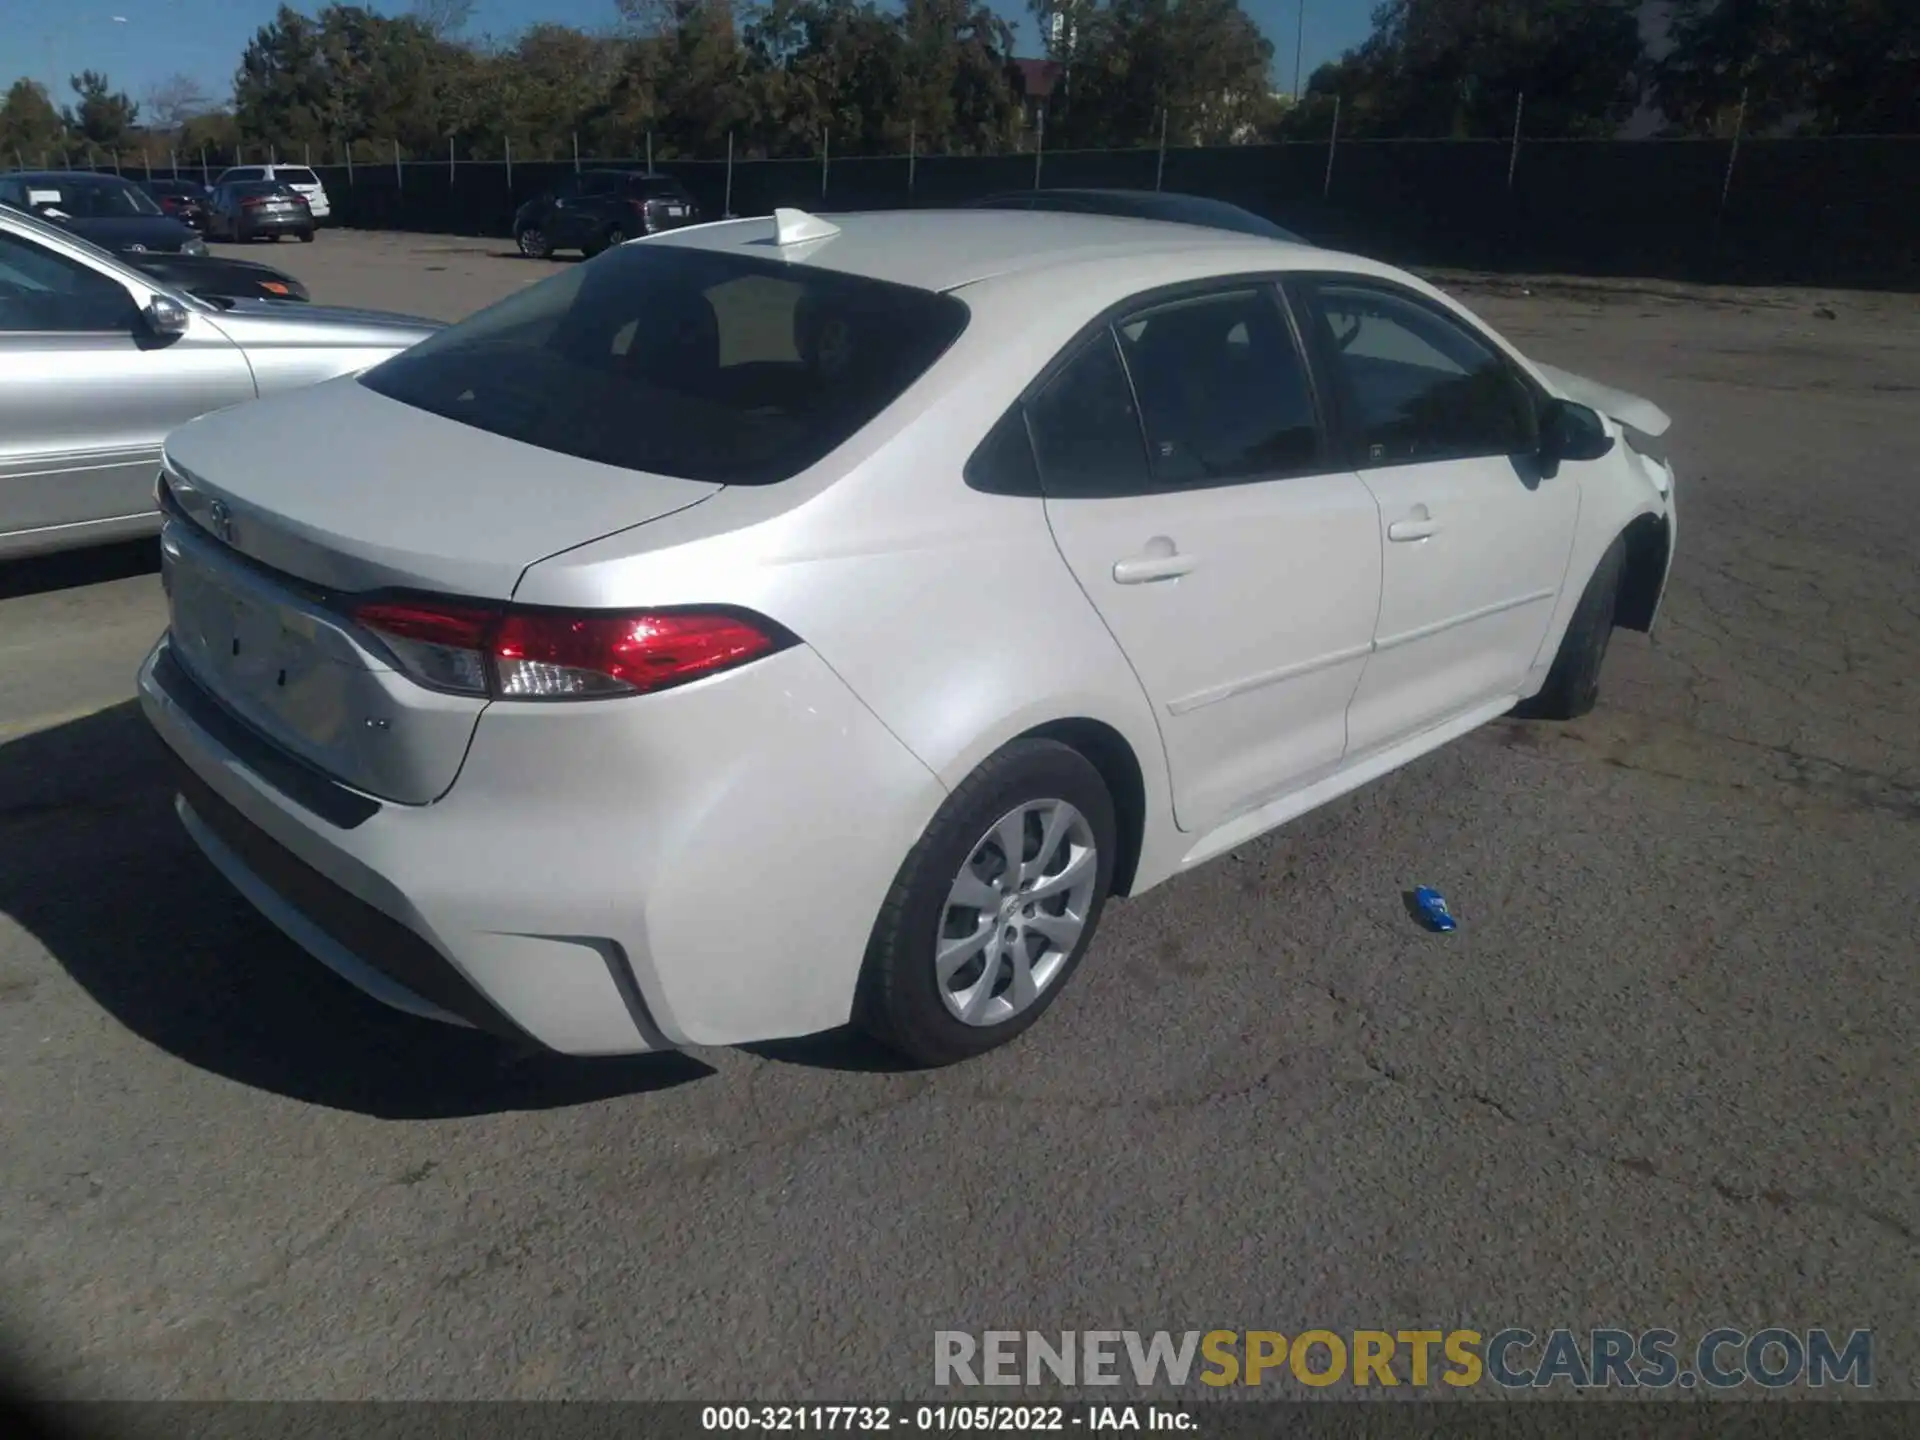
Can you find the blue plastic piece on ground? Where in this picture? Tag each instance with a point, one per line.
(1433, 908)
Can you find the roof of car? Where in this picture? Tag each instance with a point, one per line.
(33, 177)
(945, 249)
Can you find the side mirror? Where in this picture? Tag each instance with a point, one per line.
(165, 317)
(1572, 432)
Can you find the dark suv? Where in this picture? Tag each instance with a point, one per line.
(599, 208)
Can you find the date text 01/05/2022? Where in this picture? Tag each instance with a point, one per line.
(939, 1418)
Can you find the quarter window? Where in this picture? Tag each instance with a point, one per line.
(1420, 387)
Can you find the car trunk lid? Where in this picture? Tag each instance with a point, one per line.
(270, 544)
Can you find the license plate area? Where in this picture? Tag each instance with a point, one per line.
(289, 668)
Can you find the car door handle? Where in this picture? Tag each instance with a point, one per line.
(1404, 530)
(1142, 569)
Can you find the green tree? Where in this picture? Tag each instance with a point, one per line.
(101, 115)
(1203, 64)
(30, 126)
(1435, 68)
(348, 75)
(1836, 66)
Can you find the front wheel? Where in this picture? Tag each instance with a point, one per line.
(1573, 684)
(533, 243)
(994, 907)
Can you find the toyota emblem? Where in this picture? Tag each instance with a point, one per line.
(220, 520)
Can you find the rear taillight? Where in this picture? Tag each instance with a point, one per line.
(252, 202)
(564, 655)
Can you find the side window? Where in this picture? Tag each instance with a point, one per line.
(1223, 389)
(1086, 434)
(42, 291)
(600, 183)
(1003, 464)
(1421, 386)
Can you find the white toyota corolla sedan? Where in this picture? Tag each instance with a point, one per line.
(787, 621)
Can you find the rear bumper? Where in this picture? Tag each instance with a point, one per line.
(275, 224)
(701, 866)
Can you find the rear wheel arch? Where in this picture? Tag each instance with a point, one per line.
(1649, 541)
(1110, 753)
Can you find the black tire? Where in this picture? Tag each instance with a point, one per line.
(899, 1003)
(1573, 684)
(533, 243)
(306, 237)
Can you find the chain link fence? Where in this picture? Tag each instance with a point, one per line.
(1827, 211)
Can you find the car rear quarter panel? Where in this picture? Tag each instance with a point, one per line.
(948, 611)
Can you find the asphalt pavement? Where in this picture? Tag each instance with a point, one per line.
(1663, 1074)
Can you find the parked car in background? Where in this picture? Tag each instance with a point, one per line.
(99, 360)
(220, 277)
(804, 619)
(184, 200)
(1143, 205)
(257, 210)
(299, 178)
(114, 214)
(596, 209)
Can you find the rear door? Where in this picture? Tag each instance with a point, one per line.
(1476, 538)
(569, 219)
(86, 395)
(1191, 490)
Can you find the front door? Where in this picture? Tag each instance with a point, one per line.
(1237, 566)
(1476, 536)
(86, 395)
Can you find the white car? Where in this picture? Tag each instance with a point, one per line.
(785, 621)
(297, 178)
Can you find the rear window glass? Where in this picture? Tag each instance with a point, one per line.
(698, 364)
(660, 189)
(295, 177)
(261, 187)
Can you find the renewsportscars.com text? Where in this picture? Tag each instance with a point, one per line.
(1721, 1359)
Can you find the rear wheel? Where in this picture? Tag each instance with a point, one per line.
(1573, 684)
(306, 237)
(993, 909)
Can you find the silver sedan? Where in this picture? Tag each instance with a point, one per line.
(98, 362)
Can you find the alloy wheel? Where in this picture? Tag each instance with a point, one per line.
(1016, 911)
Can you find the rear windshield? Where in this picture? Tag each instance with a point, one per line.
(699, 364)
(261, 187)
(659, 189)
(295, 177)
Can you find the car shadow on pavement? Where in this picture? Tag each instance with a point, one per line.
(69, 569)
(845, 1049)
(95, 866)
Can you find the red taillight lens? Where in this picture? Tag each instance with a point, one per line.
(252, 202)
(563, 655)
(439, 645)
(541, 655)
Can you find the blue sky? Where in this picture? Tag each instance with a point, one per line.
(153, 39)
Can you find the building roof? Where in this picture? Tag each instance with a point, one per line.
(1038, 77)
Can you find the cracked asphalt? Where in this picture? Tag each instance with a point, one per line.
(1664, 1073)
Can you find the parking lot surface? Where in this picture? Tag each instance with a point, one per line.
(1663, 1075)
